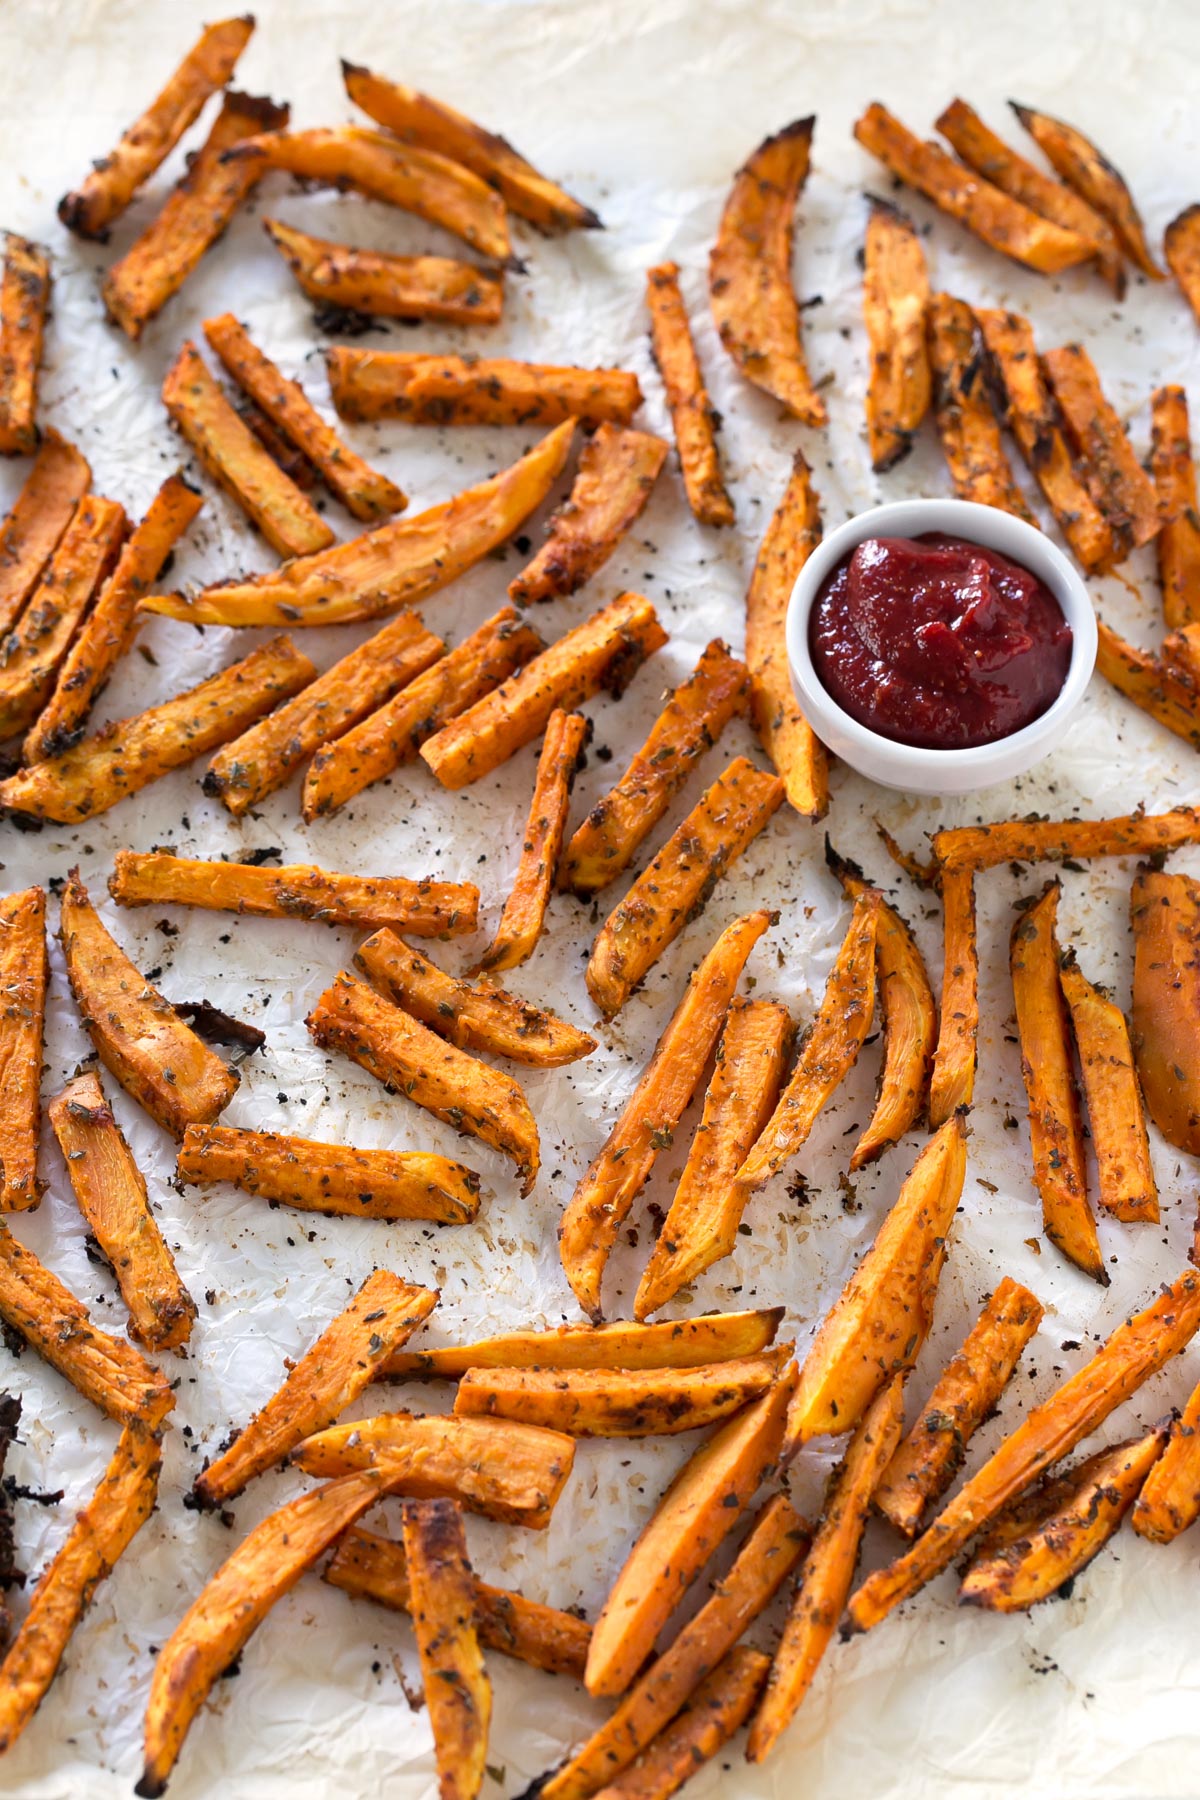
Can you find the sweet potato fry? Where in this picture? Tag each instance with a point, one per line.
(717, 1709)
(784, 732)
(473, 1017)
(750, 272)
(696, 1513)
(978, 847)
(1154, 684)
(293, 462)
(475, 390)
(952, 1081)
(1116, 1113)
(43, 509)
(126, 756)
(24, 299)
(111, 1192)
(395, 565)
(394, 732)
(1115, 478)
(701, 1225)
(967, 426)
(1180, 654)
(383, 1314)
(1165, 912)
(1178, 541)
(963, 1396)
(388, 287)
(1137, 1349)
(419, 119)
(101, 1534)
(675, 887)
(601, 1201)
(1169, 1500)
(139, 1037)
(622, 1403)
(694, 418)
(1083, 168)
(198, 211)
(606, 651)
(524, 911)
(229, 452)
(444, 1614)
(408, 1058)
(1181, 248)
(895, 297)
(23, 977)
(617, 470)
(331, 1178)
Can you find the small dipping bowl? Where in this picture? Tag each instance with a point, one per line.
(913, 768)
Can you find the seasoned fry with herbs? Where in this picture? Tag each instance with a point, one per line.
(388, 287)
(24, 299)
(1166, 690)
(694, 418)
(23, 978)
(1174, 473)
(675, 1344)
(475, 390)
(1169, 1500)
(952, 1081)
(719, 1707)
(444, 1614)
(617, 470)
(620, 1403)
(967, 426)
(895, 296)
(1165, 913)
(42, 511)
(974, 847)
(1085, 169)
(1116, 1114)
(1181, 247)
(1115, 478)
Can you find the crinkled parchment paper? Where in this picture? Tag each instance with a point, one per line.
(645, 107)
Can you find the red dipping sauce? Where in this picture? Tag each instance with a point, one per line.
(938, 642)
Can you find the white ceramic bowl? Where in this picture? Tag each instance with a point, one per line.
(910, 767)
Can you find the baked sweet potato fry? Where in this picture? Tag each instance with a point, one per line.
(750, 272)
(126, 756)
(693, 417)
(1165, 913)
(200, 208)
(1115, 478)
(383, 1314)
(718, 1708)
(701, 1225)
(1137, 1349)
(395, 565)
(1169, 1500)
(967, 426)
(423, 389)
(524, 912)
(977, 847)
(23, 977)
(895, 298)
(620, 1403)
(24, 300)
(1116, 1113)
(676, 886)
(618, 467)
(337, 276)
(1181, 248)
(963, 1396)
(952, 1080)
(42, 511)
(1092, 176)
(99, 1536)
(1174, 473)
(1180, 654)
(139, 1037)
(331, 1178)
(1164, 689)
(293, 462)
(606, 651)
(602, 1199)
(410, 1059)
(444, 1614)
(111, 1192)
(695, 1515)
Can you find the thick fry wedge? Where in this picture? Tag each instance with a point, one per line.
(383, 1314)
(952, 1081)
(100, 1535)
(393, 566)
(139, 1037)
(963, 1396)
(114, 179)
(393, 734)
(1116, 1113)
(198, 211)
(524, 911)
(1151, 682)
(1165, 913)
(126, 756)
(475, 390)
(43, 510)
(675, 1344)
(701, 1225)
(23, 977)
(1137, 1349)
(1116, 479)
(444, 1614)
(675, 887)
(618, 467)
(331, 1178)
(410, 1059)
(750, 272)
(1169, 1500)
(111, 1192)
(620, 1403)
(895, 297)
(967, 426)
(695, 1515)
(24, 299)
(1083, 168)
(606, 651)
(1181, 248)
(718, 1708)
(601, 1201)
(419, 119)
(694, 418)
(336, 276)
(784, 732)
(1178, 542)
(978, 847)
(1180, 655)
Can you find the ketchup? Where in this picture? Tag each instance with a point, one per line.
(938, 642)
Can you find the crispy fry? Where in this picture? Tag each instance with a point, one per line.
(126, 756)
(1083, 168)
(198, 211)
(394, 732)
(952, 1081)
(1165, 912)
(1180, 655)
(621, 1402)
(924, 873)
(43, 509)
(114, 179)
(696, 1513)
(1151, 682)
(444, 1614)
(475, 390)
(1181, 248)
(24, 299)
(1169, 1500)
(524, 911)
(23, 978)
(101, 1533)
(332, 1373)
(966, 424)
(1136, 1349)
(111, 1192)
(606, 651)
(977, 847)
(1178, 541)
(602, 1199)
(750, 272)
(701, 1226)
(694, 418)
(963, 1396)
(617, 470)
(1116, 1113)
(388, 287)
(409, 1059)
(395, 565)
(718, 1708)
(895, 296)
(1115, 478)
(293, 462)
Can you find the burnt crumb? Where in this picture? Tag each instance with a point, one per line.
(255, 859)
(797, 1191)
(217, 1027)
(14, 1343)
(524, 544)
(339, 321)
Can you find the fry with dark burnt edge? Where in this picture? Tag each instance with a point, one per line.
(620, 1402)
(1085, 169)
(1165, 690)
(967, 426)
(952, 1081)
(24, 299)
(675, 1344)
(42, 511)
(617, 470)
(978, 847)
(719, 1707)
(1169, 1500)
(964, 1395)
(1164, 909)
(895, 296)
(1181, 247)
(1174, 473)
(694, 418)
(388, 287)
(750, 272)
(1116, 1113)
(1115, 478)
(423, 389)
(1180, 654)
(23, 977)
(444, 1614)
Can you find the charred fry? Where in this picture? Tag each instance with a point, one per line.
(1116, 479)
(620, 1402)
(1181, 247)
(1116, 1114)
(1165, 912)
(23, 978)
(1153, 684)
(1083, 168)
(1178, 542)
(24, 299)
(895, 296)
(617, 470)
(1057, 840)
(693, 416)
(1169, 1500)
(718, 1708)
(444, 1614)
(44, 508)
(966, 423)
(476, 390)
(388, 287)
(952, 1082)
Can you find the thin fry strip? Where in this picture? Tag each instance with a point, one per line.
(717, 1709)
(624, 1403)
(23, 977)
(895, 298)
(1116, 1113)
(24, 299)
(977, 847)
(676, 1344)
(43, 509)
(952, 1082)
(1151, 683)
(444, 1615)
(1181, 248)
(340, 278)
(459, 390)
(1174, 472)
(694, 418)
(1170, 1497)
(318, 1388)
(1116, 479)
(1165, 913)
(1083, 168)
(966, 424)
(294, 464)
(618, 468)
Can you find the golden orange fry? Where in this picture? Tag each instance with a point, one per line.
(624, 1403)
(1181, 247)
(1115, 478)
(1165, 912)
(23, 977)
(388, 287)
(895, 299)
(719, 1707)
(952, 1082)
(1116, 1113)
(423, 389)
(1174, 472)
(24, 300)
(1163, 688)
(975, 847)
(458, 1693)
(967, 426)
(1090, 173)
(1170, 1497)
(42, 511)
(618, 467)
(693, 416)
